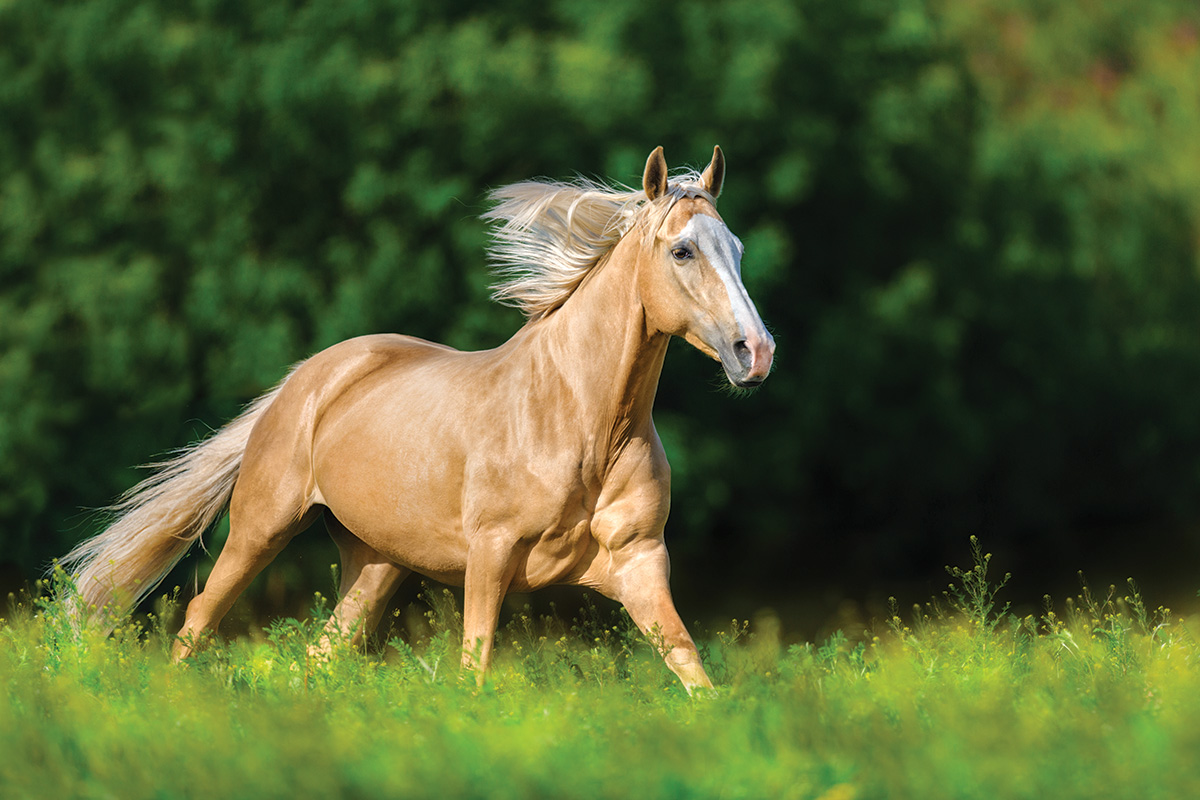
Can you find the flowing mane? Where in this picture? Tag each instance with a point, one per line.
(552, 233)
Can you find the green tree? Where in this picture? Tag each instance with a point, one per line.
(972, 228)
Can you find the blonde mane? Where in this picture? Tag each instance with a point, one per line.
(552, 233)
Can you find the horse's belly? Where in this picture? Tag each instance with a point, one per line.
(444, 560)
(435, 549)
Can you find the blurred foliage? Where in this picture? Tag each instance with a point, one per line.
(972, 226)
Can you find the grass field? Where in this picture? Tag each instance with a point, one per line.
(959, 699)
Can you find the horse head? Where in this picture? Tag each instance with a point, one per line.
(690, 274)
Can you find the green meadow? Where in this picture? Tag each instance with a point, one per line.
(955, 698)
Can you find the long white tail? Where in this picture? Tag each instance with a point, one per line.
(158, 520)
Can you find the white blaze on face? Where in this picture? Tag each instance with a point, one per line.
(723, 252)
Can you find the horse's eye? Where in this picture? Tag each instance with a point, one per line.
(681, 253)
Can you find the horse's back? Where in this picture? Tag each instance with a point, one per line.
(357, 357)
(343, 368)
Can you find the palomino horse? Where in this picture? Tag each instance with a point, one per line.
(532, 464)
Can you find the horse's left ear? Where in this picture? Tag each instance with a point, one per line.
(714, 174)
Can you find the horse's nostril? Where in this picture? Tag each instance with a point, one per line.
(742, 351)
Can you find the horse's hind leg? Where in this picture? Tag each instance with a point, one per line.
(261, 523)
(368, 582)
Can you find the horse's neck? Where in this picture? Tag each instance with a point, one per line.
(599, 343)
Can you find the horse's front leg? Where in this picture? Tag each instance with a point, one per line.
(640, 580)
(491, 562)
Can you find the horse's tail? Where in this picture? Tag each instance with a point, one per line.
(155, 523)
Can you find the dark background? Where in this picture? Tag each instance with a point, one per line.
(971, 227)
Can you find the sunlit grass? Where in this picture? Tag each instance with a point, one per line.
(955, 699)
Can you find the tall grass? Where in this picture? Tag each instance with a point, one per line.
(961, 699)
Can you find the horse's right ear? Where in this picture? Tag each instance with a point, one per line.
(654, 179)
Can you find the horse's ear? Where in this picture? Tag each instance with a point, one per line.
(654, 179)
(714, 173)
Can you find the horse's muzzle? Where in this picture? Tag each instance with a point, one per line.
(755, 354)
